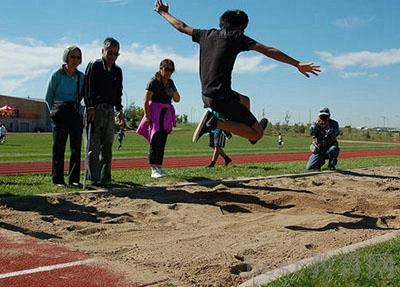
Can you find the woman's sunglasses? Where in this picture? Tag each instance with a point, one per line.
(168, 69)
(75, 57)
(109, 53)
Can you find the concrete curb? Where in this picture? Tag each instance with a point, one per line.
(273, 275)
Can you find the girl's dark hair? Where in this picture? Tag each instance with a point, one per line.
(233, 19)
(167, 63)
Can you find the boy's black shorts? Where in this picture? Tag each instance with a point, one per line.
(216, 139)
(231, 108)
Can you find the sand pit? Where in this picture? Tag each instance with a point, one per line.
(215, 235)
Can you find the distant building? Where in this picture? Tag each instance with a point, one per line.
(32, 115)
(387, 129)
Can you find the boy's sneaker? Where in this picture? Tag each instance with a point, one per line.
(155, 173)
(206, 124)
(162, 171)
(264, 124)
(212, 164)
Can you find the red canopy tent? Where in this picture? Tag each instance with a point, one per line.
(8, 112)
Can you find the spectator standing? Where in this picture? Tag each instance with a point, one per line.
(217, 143)
(3, 133)
(63, 97)
(103, 97)
(159, 115)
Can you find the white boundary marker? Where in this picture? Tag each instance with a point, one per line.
(275, 274)
(46, 268)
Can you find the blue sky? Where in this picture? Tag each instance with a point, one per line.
(357, 44)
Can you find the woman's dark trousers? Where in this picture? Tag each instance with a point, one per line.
(67, 124)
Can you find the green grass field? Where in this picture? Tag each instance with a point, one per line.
(36, 184)
(22, 147)
(374, 266)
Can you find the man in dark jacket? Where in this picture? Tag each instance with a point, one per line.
(324, 146)
(103, 93)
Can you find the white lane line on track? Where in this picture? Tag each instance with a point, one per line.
(46, 268)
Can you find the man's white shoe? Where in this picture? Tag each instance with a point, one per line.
(155, 173)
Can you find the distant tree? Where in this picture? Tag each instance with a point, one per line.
(277, 127)
(185, 119)
(133, 115)
(299, 128)
(182, 119)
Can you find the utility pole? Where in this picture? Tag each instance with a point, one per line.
(126, 99)
(384, 121)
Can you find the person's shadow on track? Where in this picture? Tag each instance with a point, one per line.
(353, 173)
(37, 234)
(57, 207)
(242, 184)
(221, 199)
(365, 222)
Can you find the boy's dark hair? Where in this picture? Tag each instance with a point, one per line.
(233, 19)
(110, 42)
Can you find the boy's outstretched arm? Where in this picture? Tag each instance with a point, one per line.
(304, 68)
(162, 9)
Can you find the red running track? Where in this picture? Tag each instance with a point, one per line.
(188, 161)
(29, 262)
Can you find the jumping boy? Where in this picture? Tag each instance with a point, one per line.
(218, 51)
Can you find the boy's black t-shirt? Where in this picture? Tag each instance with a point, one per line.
(161, 93)
(218, 52)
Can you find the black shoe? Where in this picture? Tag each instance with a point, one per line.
(95, 183)
(264, 124)
(212, 164)
(332, 168)
(228, 160)
(59, 183)
(206, 124)
(75, 184)
(227, 134)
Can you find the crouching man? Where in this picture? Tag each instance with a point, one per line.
(325, 145)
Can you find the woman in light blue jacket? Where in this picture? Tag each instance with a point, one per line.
(64, 95)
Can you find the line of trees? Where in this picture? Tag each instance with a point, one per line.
(134, 114)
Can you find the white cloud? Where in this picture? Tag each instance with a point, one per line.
(116, 2)
(362, 58)
(252, 64)
(347, 75)
(352, 22)
(24, 60)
